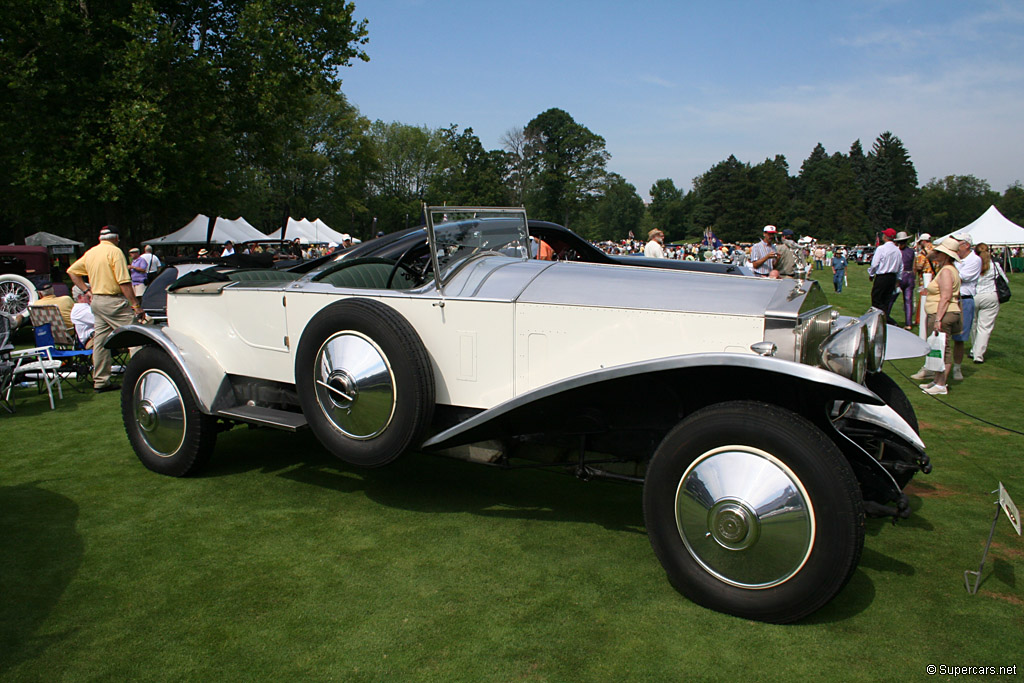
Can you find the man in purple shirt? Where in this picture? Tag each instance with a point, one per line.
(137, 266)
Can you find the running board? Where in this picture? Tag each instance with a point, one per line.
(271, 417)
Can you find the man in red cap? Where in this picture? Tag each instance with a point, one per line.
(884, 272)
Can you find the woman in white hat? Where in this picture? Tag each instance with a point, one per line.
(942, 306)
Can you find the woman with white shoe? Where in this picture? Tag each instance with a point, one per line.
(942, 305)
(986, 302)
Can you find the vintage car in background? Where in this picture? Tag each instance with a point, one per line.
(862, 256)
(757, 420)
(23, 270)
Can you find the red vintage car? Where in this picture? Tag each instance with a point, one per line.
(23, 269)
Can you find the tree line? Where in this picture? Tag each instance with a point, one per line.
(143, 114)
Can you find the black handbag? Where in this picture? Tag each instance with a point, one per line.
(1002, 286)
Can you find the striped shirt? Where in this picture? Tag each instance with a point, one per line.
(759, 251)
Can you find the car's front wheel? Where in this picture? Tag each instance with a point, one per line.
(364, 381)
(163, 422)
(753, 511)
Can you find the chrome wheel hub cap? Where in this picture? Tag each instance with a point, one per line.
(745, 517)
(354, 385)
(159, 412)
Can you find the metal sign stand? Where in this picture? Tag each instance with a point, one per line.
(977, 575)
(1003, 504)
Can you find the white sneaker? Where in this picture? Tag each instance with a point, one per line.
(936, 390)
(927, 385)
(958, 374)
(922, 374)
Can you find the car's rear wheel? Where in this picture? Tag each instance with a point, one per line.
(364, 381)
(168, 432)
(753, 511)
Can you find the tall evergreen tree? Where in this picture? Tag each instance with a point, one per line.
(859, 166)
(900, 175)
(725, 200)
(773, 190)
(880, 195)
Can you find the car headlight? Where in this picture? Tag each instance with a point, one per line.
(874, 322)
(845, 352)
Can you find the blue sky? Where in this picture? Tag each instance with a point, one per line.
(676, 87)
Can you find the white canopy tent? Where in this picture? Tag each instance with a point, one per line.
(237, 230)
(314, 232)
(994, 229)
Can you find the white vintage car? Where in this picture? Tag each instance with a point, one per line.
(757, 420)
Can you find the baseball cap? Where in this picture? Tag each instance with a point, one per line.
(787, 232)
(889, 232)
(770, 228)
(109, 232)
(925, 237)
(963, 237)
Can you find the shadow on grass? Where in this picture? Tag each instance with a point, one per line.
(430, 483)
(42, 553)
(855, 597)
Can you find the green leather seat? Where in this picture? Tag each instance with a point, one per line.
(262, 275)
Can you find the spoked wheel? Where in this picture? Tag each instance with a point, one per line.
(753, 512)
(16, 293)
(168, 432)
(364, 381)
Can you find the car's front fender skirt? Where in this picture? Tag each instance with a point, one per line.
(584, 403)
(698, 379)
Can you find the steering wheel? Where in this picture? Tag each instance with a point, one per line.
(416, 276)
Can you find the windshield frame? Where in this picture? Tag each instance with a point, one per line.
(478, 231)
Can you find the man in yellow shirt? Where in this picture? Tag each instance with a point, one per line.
(63, 303)
(113, 299)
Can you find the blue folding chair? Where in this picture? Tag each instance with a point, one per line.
(75, 363)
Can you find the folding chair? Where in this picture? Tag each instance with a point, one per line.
(50, 331)
(41, 366)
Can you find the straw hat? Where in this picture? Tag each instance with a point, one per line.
(949, 247)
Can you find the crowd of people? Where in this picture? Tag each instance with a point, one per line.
(957, 279)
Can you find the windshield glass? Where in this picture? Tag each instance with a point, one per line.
(460, 233)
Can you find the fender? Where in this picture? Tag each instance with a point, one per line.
(513, 417)
(206, 378)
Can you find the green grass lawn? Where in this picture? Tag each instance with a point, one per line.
(281, 563)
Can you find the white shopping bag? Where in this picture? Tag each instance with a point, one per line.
(936, 360)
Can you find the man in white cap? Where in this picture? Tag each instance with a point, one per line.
(970, 270)
(762, 254)
(113, 300)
